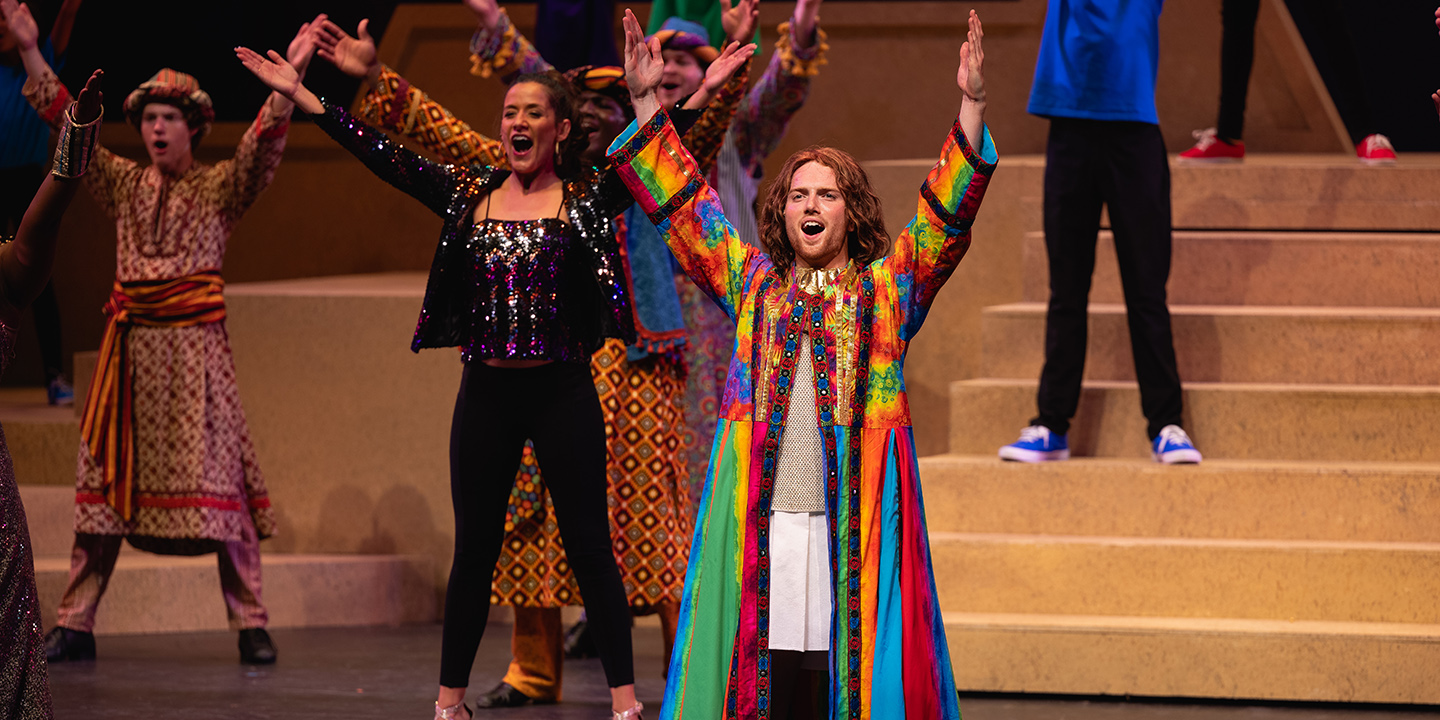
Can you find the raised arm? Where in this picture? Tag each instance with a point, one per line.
(765, 113)
(25, 264)
(64, 24)
(663, 177)
(927, 252)
(432, 183)
(393, 104)
(258, 155)
(499, 50)
(725, 79)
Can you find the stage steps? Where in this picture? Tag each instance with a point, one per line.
(1300, 560)
(153, 593)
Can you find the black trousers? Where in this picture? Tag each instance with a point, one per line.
(1122, 166)
(555, 406)
(18, 186)
(1324, 25)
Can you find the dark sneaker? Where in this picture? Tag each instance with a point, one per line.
(256, 647)
(506, 695)
(64, 644)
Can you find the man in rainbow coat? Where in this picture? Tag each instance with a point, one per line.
(824, 314)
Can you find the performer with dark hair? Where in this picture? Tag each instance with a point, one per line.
(810, 547)
(166, 459)
(527, 280)
(641, 387)
(25, 266)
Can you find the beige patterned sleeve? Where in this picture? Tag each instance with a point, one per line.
(108, 172)
(256, 159)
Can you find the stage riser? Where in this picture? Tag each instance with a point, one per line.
(152, 594)
(1195, 659)
(1351, 346)
(1163, 577)
(1271, 268)
(50, 513)
(44, 447)
(1216, 499)
(1241, 422)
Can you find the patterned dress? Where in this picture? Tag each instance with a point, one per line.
(24, 687)
(889, 655)
(196, 478)
(643, 399)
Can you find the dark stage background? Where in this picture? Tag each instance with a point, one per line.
(1398, 48)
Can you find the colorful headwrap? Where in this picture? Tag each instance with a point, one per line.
(173, 87)
(681, 34)
(607, 80)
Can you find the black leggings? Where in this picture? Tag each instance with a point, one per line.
(555, 406)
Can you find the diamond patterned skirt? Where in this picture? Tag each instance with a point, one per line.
(650, 514)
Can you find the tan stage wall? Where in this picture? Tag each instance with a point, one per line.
(887, 92)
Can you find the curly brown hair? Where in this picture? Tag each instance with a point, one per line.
(866, 240)
(564, 101)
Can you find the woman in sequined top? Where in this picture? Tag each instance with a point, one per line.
(526, 280)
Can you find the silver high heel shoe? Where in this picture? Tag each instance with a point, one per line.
(631, 714)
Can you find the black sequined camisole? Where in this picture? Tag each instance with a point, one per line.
(533, 295)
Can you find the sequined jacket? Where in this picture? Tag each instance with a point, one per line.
(452, 192)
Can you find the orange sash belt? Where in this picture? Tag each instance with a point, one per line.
(108, 419)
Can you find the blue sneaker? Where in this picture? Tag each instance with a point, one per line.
(1037, 444)
(59, 392)
(1172, 446)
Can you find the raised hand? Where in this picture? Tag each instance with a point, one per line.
(720, 73)
(488, 11)
(22, 24)
(739, 21)
(971, 76)
(88, 105)
(807, 17)
(302, 47)
(644, 66)
(354, 56)
(281, 77)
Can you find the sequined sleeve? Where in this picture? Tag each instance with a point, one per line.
(108, 173)
(765, 113)
(707, 135)
(928, 250)
(664, 179)
(401, 108)
(430, 182)
(504, 52)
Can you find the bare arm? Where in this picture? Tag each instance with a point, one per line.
(27, 38)
(25, 264)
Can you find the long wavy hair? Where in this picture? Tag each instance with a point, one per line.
(865, 236)
(564, 101)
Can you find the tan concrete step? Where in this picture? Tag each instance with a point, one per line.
(1237, 344)
(43, 440)
(1184, 577)
(1237, 499)
(50, 514)
(1272, 268)
(1313, 423)
(1195, 657)
(1307, 192)
(153, 593)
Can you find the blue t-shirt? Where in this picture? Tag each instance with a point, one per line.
(1098, 60)
(24, 137)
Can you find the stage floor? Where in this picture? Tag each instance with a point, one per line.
(390, 673)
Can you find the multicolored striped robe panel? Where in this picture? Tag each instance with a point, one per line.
(888, 649)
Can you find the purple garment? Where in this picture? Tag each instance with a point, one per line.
(527, 285)
(24, 685)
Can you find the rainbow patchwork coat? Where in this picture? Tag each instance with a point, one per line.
(888, 648)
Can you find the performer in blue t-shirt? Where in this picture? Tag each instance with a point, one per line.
(24, 157)
(1095, 81)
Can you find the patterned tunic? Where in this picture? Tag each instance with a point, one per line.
(24, 688)
(196, 477)
(643, 401)
(888, 637)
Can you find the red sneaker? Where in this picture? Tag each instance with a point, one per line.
(1210, 148)
(1376, 150)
